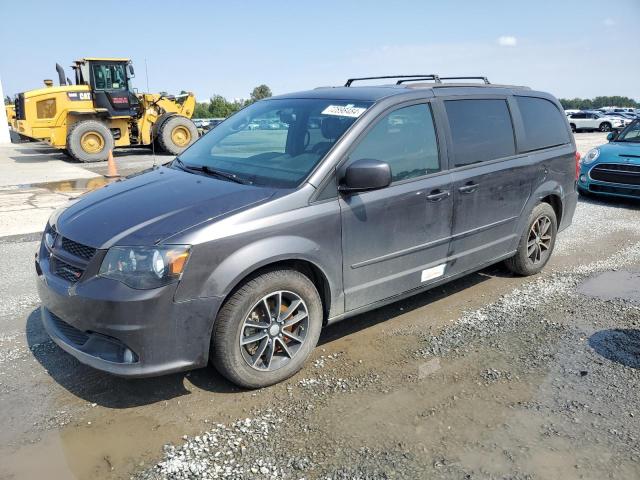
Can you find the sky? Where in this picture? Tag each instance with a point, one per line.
(571, 48)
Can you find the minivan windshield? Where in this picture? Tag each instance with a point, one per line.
(275, 142)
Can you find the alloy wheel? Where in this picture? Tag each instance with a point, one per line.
(274, 330)
(539, 240)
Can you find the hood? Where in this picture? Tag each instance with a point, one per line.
(620, 152)
(147, 208)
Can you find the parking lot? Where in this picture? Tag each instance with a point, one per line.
(491, 376)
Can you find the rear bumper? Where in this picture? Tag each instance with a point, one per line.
(569, 204)
(123, 331)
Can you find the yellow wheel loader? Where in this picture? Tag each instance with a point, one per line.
(101, 111)
(10, 110)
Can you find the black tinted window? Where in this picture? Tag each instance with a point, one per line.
(480, 130)
(544, 125)
(406, 140)
(578, 115)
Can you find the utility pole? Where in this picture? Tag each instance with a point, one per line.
(5, 138)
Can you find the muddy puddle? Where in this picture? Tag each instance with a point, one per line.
(613, 285)
(77, 185)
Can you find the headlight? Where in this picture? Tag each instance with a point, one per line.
(145, 267)
(591, 156)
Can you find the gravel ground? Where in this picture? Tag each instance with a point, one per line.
(568, 352)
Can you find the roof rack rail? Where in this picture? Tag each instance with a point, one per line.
(484, 79)
(428, 76)
(436, 78)
(415, 78)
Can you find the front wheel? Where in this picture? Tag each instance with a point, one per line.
(267, 329)
(537, 242)
(176, 134)
(605, 127)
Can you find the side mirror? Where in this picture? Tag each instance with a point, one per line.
(611, 136)
(131, 71)
(365, 174)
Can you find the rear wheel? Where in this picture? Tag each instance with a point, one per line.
(537, 242)
(89, 141)
(267, 329)
(176, 134)
(573, 128)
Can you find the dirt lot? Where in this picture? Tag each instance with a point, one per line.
(491, 376)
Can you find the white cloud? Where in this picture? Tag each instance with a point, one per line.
(507, 41)
(609, 22)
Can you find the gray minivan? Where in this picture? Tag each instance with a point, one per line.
(241, 249)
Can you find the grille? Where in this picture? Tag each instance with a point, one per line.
(78, 249)
(66, 271)
(616, 173)
(71, 333)
(634, 192)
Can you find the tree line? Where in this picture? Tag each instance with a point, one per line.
(220, 107)
(598, 102)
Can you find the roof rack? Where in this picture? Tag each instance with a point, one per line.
(415, 78)
(429, 76)
(484, 79)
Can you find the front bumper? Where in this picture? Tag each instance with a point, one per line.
(627, 187)
(123, 331)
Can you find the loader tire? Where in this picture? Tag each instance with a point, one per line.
(176, 134)
(89, 141)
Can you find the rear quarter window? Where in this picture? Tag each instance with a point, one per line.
(481, 130)
(544, 125)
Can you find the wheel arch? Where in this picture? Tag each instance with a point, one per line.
(550, 192)
(308, 268)
(555, 201)
(287, 251)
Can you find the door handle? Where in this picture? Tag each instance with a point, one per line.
(437, 195)
(468, 188)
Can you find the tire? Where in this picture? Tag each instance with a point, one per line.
(176, 133)
(525, 262)
(89, 141)
(605, 127)
(234, 361)
(573, 128)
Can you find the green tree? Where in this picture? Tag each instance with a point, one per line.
(260, 92)
(219, 107)
(598, 102)
(201, 110)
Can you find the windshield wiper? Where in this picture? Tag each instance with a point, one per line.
(221, 174)
(210, 171)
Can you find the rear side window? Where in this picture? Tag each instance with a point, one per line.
(481, 130)
(544, 125)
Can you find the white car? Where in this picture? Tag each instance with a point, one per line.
(595, 121)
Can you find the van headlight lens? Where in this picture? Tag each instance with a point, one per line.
(145, 267)
(591, 156)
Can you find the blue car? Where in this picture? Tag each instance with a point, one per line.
(613, 168)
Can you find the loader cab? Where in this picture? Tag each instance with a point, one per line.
(110, 82)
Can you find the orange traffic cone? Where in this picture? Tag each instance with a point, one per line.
(112, 171)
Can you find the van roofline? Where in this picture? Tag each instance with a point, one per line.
(375, 93)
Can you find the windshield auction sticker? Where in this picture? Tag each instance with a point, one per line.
(343, 111)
